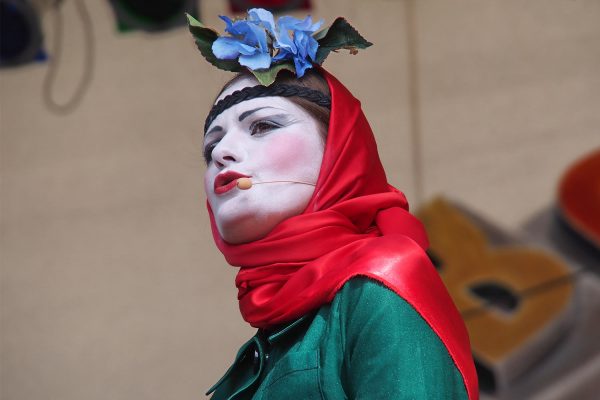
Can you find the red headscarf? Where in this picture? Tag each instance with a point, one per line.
(356, 224)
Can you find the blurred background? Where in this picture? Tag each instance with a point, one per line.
(111, 287)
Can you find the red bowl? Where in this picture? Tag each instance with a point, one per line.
(579, 197)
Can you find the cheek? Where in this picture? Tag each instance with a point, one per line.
(286, 151)
(207, 182)
(209, 178)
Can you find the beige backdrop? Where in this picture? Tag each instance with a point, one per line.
(111, 286)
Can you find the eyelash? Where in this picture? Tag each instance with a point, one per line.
(268, 125)
(208, 151)
(255, 130)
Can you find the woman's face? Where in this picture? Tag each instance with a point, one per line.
(266, 139)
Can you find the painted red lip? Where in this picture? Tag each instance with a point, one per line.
(226, 181)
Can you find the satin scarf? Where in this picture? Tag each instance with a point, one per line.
(355, 224)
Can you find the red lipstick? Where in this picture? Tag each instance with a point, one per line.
(226, 181)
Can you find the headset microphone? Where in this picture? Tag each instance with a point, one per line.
(246, 183)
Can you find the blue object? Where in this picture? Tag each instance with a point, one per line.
(289, 39)
(249, 43)
(20, 34)
(300, 44)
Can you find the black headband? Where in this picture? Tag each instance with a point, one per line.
(252, 92)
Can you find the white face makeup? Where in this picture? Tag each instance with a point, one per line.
(267, 139)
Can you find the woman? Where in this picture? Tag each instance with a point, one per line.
(333, 270)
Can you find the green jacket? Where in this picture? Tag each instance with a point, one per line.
(368, 343)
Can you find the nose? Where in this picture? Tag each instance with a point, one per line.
(229, 150)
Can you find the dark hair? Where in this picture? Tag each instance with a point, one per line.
(312, 79)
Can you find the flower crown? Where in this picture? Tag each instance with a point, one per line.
(266, 47)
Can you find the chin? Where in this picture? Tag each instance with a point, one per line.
(238, 228)
(244, 219)
(241, 232)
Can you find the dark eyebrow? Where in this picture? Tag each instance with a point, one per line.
(241, 118)
(247, 113)
(214, 129)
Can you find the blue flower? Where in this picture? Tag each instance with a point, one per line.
(262, 17)
(295, 41)
(248, 43)
(254, 40)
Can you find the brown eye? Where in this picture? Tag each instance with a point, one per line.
(261, 126)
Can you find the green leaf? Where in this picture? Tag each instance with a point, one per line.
(267, 76)
(340, 35)
(321, 34)
(193, 21)
(204, 38)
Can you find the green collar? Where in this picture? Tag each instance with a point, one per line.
(282, 330)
